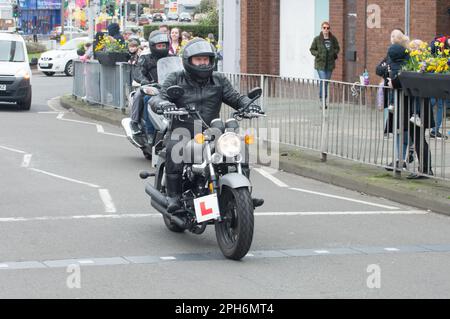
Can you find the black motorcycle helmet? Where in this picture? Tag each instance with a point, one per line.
(199, 47)
(155, 38)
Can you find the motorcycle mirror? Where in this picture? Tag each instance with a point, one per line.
(175, 92)
(255, 93)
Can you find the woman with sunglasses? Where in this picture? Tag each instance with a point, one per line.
(325, 48)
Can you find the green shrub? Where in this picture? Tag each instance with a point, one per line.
(33, 47)
(196, 30)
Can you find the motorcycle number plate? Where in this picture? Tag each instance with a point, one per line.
(207, 208)
(2, 87)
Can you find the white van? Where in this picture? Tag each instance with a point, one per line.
(15, 72)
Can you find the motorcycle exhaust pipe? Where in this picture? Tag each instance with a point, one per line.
(159, 202)
(156, 196)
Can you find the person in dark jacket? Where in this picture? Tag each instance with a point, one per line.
(398, 57)
(205, 89)
(325, 48)
(114, 31)
(147, 73)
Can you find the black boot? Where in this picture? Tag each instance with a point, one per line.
(257, 202)
(173, 186)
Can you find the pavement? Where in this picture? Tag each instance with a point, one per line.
(430, 194)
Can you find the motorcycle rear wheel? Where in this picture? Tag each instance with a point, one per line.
(235, 233)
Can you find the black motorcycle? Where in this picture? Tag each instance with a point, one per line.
(145, 141)
(215, 189)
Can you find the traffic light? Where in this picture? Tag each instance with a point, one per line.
(15, 10)
(111, 9)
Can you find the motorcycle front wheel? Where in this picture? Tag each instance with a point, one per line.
(235, 232)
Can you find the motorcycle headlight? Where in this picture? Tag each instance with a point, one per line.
(229, 144)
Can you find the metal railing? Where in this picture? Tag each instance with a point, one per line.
(102, 85)
(351, 123)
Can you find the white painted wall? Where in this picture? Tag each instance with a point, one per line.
(232, 36)
(297, 31)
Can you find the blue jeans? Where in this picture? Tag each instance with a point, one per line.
(324, 75)
(440, 113)
(148, 124)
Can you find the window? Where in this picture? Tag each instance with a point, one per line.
(11, 51)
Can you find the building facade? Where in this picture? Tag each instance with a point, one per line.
(42, 14)
(275, 35)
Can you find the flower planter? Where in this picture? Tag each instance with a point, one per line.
(425, 85)
(111, 58)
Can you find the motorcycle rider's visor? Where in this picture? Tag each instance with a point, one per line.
(160, 38)
(199, 49)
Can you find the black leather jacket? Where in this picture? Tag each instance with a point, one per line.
(147, 71)
(207, 96)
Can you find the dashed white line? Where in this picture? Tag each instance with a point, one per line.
(321, 252)
(107, 201)
(64, 178)
(157, 215)
(3, 266)
(86, 261)
(270, 177)
(100, 128)
(344, 198)
(12, 150)
(168, 258)
(26, 160)
(392, 249)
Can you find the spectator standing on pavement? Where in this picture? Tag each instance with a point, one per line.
(164, 28)
(325, 48)
(114, 32)
(439, 44)
(175, 41)
(35, 34)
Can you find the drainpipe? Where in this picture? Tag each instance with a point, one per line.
(407, 17)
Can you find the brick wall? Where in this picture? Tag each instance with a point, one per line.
(260, 36)
(428, 18)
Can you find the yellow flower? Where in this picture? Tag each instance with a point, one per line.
(447, 52)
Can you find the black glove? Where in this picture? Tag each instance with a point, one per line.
(254, 109)
(166, 106)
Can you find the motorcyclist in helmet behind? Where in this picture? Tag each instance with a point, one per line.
(205, 89)
(147, 74)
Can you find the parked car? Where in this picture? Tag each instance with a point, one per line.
(185, 17)
(15, 72)
(61, 60)
(55, 34)
(172, 17)
(143, 20)
(157, 17)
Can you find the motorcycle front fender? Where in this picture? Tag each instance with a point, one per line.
(234, 180)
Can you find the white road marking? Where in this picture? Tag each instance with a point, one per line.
(51, 102)
(3, 266)
(107, 201)
(114, 134)
(64, 178)
(343, 198)
(157, 215)
(321, 252)
(12, 150)
(26, 160)
(270, 177)
(51, 112)
(390, 212)
(100, 128)
(85, 261)
(392, 249)
(168, 258)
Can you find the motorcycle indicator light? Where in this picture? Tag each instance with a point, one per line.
(249, 139)
(199, 139)
(211, 188)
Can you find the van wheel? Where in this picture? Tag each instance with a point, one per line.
(25, 105)
(49, 73)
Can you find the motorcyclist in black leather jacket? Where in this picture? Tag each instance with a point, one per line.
(207, 90)
(147, 74)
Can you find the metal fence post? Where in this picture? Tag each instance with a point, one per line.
(121, 88)
(324, 136)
